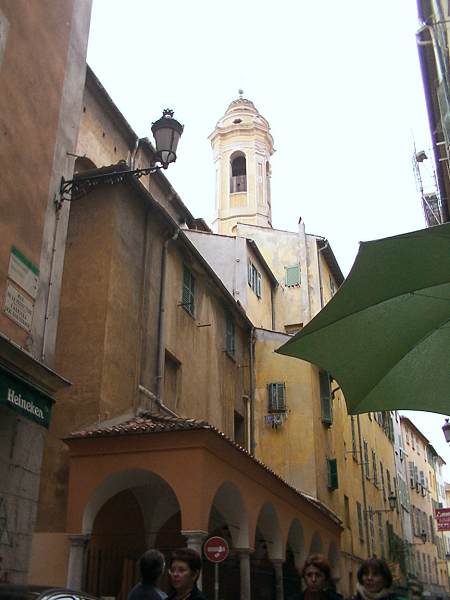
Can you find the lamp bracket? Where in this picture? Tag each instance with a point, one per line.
(80, 186)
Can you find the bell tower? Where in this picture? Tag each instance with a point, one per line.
(242, 146)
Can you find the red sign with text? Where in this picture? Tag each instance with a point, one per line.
(443, 519)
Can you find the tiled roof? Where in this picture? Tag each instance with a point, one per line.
(147, 422)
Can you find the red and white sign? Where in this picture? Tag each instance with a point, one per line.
(443, 519)
(216, 549)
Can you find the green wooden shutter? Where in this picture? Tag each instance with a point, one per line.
(333, 483)
(325, 398)
(293, 275)
(276, 397)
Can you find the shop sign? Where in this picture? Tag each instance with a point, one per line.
(18, 307)
(443, 519)
(23, 272)
(24, 399)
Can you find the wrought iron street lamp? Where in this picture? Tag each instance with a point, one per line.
(166, 131)
(392, 500)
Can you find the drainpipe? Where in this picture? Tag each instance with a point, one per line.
(160, 339)
(272, 302)
(363, 481)
(252, 391)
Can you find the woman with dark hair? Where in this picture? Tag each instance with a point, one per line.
(374, 581)
(184, 570)
(319, 585)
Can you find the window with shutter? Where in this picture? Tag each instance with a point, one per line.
(325, 398)
(333, 483)
(230, 340)
(292, 276)
(254, 279)
(188, 293)
(277, 397)
(366, 459)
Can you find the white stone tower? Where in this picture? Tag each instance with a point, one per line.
(242, 146)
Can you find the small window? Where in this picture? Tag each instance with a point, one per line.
(188, 295)
(333, 483)
(230, 341)
(325, 398)
(277, 397)
(293, 276)
(332, 286)
(254, 279)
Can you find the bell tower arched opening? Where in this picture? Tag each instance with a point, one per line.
(238, 168)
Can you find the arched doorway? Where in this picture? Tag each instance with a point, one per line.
(129, 512)
(227, 519)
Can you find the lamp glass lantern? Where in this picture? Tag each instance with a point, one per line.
(167, 132)
(446, 430)
(392, 499)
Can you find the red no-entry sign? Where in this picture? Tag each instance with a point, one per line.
(216, 549)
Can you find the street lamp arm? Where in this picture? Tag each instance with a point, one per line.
(71, 189)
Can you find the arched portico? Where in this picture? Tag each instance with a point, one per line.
(185, 485)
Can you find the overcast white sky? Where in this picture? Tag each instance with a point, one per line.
(339, 83)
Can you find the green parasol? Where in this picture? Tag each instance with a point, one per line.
(385, 335)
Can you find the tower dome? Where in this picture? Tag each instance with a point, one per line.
(242, 146)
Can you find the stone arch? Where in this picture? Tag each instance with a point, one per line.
(228, 513)
(268, 527)
(135, 480)
(316, 546)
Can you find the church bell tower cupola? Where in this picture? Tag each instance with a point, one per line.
(242, 146)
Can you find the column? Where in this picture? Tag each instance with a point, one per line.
(75, 569)
(278, 565)
(245, 574)
(194, 540)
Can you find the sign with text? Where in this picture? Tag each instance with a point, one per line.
(216, 549)
(443, 519)
(24, 399)
(18, 307)
(23, 272)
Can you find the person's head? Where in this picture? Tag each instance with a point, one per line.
(316, 573)
(374, 575)
(151, 565)
(184, 569)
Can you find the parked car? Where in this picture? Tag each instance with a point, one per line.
(40, 592)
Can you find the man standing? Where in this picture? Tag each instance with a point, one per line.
(151, 565)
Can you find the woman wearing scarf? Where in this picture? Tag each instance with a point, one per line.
(374, 581)
(319, 584)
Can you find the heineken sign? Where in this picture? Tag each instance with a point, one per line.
(24, 399)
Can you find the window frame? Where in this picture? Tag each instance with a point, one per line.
(230, 335)
(276, 404)
(188, 291)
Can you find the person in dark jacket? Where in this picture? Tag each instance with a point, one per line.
(375, 581)
(151, 566)
(319, 585)
(184, 570)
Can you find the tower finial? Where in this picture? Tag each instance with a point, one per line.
(241, 93)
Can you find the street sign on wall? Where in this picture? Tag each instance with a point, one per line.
(443, 519)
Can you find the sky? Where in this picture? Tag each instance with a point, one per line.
(339, 83)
